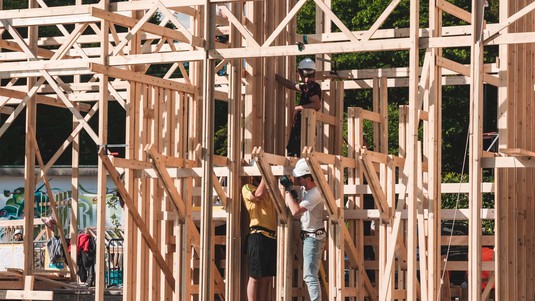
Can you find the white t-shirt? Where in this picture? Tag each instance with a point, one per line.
(312, 219)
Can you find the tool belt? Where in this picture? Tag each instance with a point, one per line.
(264, 231)
(316, 234)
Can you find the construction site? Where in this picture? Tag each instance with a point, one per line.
(184, 226)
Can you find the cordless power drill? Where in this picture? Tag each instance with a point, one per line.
(288, 185)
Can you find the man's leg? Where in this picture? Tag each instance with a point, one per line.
(293, 148)
(263, 288)
(252, 288)
(82, 272)
(312, 250)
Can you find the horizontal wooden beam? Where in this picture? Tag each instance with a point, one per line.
(508, 162)
(142, 78)
(330, 159)
(73, 10)
(445, 214)
(19, 222)
(445, 188)
(326, 118)
(51, 101)
(146, 27)
(518, 152)
(489, 34)
(26, 295)
(369, 115)
(390, 73)
(311, 49)
(44, 53)
(48, 65)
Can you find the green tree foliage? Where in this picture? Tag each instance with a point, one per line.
(15, 4)
(461, 201)
(221, 141)
(221, 128)
(360, 15)
(12, 142)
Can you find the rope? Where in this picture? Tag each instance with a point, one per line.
(454, 213)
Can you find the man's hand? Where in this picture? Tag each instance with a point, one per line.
(288, 186)
(296, 112)
(286, 182)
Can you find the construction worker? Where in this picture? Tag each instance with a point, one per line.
(310, 99)
(309, 205)
(262, 239)
(17, 236)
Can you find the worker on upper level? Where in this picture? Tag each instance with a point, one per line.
(310, 99)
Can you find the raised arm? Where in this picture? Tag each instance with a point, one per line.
(287, 83)
(260, 192)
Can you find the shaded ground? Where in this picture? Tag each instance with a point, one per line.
(87, 294)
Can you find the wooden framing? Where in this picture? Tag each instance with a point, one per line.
(229, 52)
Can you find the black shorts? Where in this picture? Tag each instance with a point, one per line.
(262, 253)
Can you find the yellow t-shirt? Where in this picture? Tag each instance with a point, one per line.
(262, 211)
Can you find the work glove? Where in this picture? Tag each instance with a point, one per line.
(288, 186)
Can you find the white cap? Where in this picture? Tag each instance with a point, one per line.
(18, 231)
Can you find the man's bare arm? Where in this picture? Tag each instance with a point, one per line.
(287, 83)
(315, 103)
(292, 204)
(259, 192)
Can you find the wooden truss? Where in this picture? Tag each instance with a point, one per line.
(178, 195)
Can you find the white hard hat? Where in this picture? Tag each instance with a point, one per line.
(307, 63)
(18, 231)
(301, 168)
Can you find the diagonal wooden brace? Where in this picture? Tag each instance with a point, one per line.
(353, 255)
(72, 266)
(138, 220)
(271, 184)
(168, 184)
(319, 177)
(378, 194)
